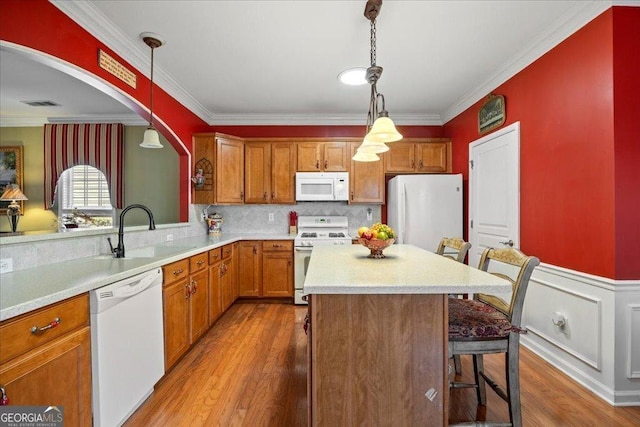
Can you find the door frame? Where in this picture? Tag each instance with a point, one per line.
(515, 127)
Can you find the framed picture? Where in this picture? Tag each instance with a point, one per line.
(10, 172)
(492, 114)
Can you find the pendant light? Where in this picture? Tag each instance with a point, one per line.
(380, 128)
(151, 138)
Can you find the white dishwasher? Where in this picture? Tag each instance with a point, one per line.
(127, 346)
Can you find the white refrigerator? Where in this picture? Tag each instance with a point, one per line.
(422, 209)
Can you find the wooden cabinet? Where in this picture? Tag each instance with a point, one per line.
(221, 158)
(316, 156)
(277, 268)
(250, 268)
(350, 383)
(52, 367)
(215, 285)
(366, 180)
(185, 305)
(270, 169)
(431, 155)
(229, 275)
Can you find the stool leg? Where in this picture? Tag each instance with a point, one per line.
(478, 369)
(457, 363)
(513, 380)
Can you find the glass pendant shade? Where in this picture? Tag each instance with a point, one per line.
(383, 130)
(374, 147)
(362, 156)
(151, 139)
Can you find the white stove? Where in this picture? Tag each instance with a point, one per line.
(316, 231)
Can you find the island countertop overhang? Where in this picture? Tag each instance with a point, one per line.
(406, 269)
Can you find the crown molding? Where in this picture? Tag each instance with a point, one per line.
(318, 120)
(90, 18)
(562, 28)
(125, 119)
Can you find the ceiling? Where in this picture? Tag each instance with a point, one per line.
(276, 62)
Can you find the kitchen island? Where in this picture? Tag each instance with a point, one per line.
(378, 333)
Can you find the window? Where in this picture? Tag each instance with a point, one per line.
(84, 199)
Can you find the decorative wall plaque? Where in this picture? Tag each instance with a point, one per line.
(112, 66)
(492, 113)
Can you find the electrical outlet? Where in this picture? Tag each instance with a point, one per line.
(169, 237)
(271, 217)
(6, 265)
(369, 216)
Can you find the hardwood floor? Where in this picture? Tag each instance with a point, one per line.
(250, 370)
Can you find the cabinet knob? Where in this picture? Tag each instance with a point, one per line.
(317, 164)
(420, 164)
(412, 164)
(326, 163)
(255, 249)
(264, 196)
(242, 195)
(187, 293)
(4, 399)
(177, 272)
(194, 287)
(273, 196)
(199, 262)
(35, 330)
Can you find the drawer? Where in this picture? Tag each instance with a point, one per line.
(227, 251)
(175, 271)
(16, 334)
(215, 255)
(277, 245)
(198, 262)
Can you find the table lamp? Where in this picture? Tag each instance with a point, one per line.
(12, 192)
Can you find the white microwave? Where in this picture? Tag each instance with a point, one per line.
(322, 186)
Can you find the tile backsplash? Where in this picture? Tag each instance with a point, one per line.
(237, 219)
(255, 218)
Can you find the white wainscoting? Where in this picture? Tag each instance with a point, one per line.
(599, 345)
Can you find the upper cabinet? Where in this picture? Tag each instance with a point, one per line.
(432, 155)
(366, 180)
(221, 158)
(270, 169)
(323, 156)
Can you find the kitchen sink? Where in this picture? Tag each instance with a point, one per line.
(149, 252)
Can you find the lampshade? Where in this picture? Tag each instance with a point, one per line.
(12, 192)
(151, 139)
(383, 130)
(362, 156)
(374, 147)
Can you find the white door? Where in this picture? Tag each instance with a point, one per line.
(494, 191)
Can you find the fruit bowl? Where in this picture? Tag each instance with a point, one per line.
(376, 246)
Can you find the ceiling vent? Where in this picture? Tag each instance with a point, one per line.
(41, 103)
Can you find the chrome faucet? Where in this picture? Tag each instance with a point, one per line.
(118, 251)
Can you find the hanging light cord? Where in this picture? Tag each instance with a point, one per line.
(151, 91)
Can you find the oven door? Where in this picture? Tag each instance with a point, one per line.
(300, 266)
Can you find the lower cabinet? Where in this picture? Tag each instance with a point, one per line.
(52, 367)
(250, 268)
(186, 305)
(277, 268)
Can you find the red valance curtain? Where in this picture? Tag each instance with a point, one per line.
(100, 145)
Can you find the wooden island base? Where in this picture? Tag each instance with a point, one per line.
(378, 360)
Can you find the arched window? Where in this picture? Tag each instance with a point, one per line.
(83, 198)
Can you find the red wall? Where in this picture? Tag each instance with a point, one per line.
(39, 25)
(626, 71)
(564, 103)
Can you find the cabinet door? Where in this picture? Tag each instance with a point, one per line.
(400, 157)
(175, 299)
(215, 293)
(277, 279)
(204, 150)
(433, 157)
(283, 172)
(235, 290)
(250, 268)
(366, 181)
(309, 156)
(58, 374)
(335, 157)
(257, 172)
(229, 170)
(199, 304)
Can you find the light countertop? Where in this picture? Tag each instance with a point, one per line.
(406, 269)
(26, 290)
